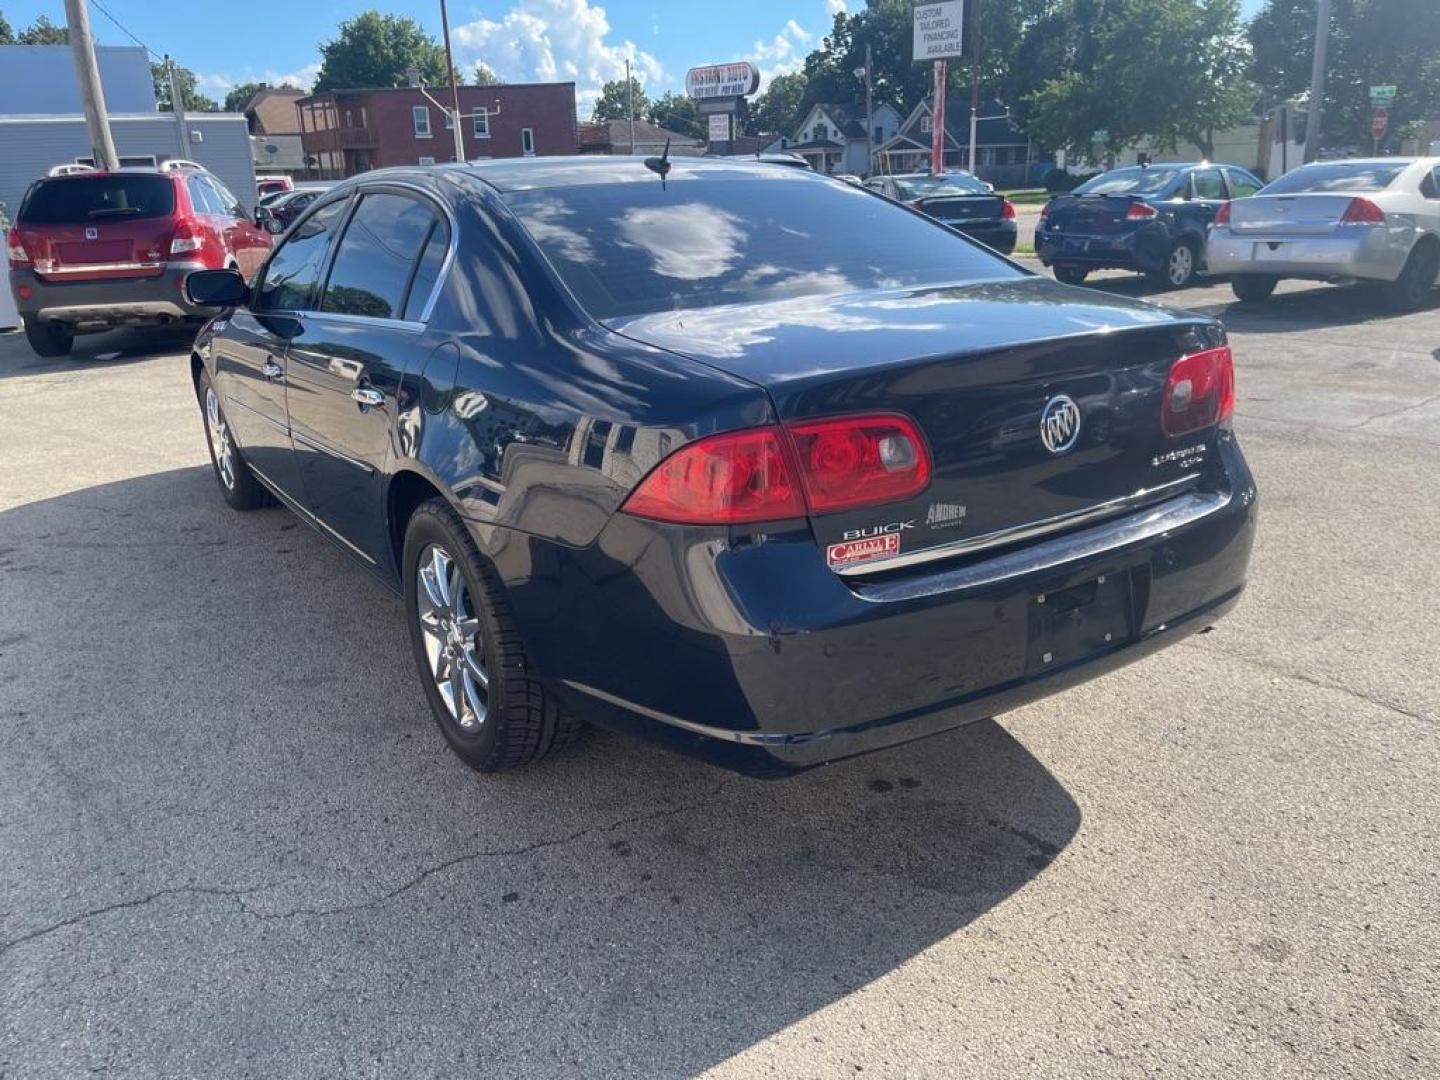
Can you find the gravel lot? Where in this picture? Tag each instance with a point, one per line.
(232, 843)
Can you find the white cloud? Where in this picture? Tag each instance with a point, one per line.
(782, 54)
(835, 7)
(554, 41)
(218, 84)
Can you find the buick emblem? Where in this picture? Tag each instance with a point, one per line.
(1060, 424)
(91, 233)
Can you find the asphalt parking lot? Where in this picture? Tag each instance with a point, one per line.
(233, 844)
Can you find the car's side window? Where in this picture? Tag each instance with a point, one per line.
(1207, 184)
(1430, 185)
(1242, 184)
(201, 197)
(229, 203)
(294, 270)
(377, 257)
(427, 271)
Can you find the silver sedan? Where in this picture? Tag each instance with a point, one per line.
(1376, 220)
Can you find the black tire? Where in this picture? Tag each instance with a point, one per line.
(48, 339)
(1182, 263)
(1253, 288)
(238, 485)
(1070, 274)
(522, 722)
(1414, 288)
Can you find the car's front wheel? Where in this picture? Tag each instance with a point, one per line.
(48, 339)
(237, 483)
(1253, 288)
(1070, 274)
(472, 663)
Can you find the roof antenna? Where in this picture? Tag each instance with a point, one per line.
(660, 165)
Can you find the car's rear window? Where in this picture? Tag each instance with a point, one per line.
(1136, 181)
(1341, 176)
(633, 248)
(932, 187)
(70, 199)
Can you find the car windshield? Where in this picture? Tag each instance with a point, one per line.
(1137, 181)
(631, 248)
(932, 187)
(1343, 176)
(91, 198)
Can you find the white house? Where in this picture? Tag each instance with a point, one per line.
(836, 138)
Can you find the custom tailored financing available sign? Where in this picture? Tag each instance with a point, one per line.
(939, 29)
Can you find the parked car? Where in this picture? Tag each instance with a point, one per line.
(268, 185)
(286, 206)
(741, 460)
(1375, 220)
(1149, 218)
(96, 250)
(958, 199)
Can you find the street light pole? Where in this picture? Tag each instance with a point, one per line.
(454, 84)
(1317, 81)
(97, 120)
(974, 90)
(869, 116)
(630, 104)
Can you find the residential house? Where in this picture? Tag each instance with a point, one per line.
(613, 137)
(1003, 154)
(345, 132)
(275, 130)
(837, 138)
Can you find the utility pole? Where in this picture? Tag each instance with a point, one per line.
(974, 89)
(177, 106)
(454, 85)
(630, 104)
(97, 120)
(869, 116)
(1317, 81)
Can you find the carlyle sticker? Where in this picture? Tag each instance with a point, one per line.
(858, 551)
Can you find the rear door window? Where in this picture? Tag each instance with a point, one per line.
(202, 197)
(117, 197)
(427, 271)
(1207, 184)
(376, 260)
(293, 273)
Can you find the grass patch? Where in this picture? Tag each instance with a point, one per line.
(1027, 196)
(1024, 247)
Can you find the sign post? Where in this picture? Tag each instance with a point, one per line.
(939, 30)
(719, 91)
(1378, 123)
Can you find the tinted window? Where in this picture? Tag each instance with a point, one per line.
(294, 270)
(1241, 183)
(203, 199)
(631, 248)
(1207, 184)
(376, 256)
(1136, 181)
(428, 272)
(93, 198)
(1344, 176)
(228, 203)
(930, 187)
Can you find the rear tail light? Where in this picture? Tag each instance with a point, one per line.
(1222, 216)
(1140, 212)
(1199, 392)
(1044, 212)
(189, 236)
(1362, 211)
(16, 250)
(1007, 210)
(774, 472)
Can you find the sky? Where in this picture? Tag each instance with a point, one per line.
(521, 40)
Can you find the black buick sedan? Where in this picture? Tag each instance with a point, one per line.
(725, 455)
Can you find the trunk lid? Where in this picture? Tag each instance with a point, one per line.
(1288, 215)
(961, 209)
(980, 368)
(97, 226)
(1091, 215)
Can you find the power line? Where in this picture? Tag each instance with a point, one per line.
(121, 27)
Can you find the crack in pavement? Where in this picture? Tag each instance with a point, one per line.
(1393, 412)
(1300, 676)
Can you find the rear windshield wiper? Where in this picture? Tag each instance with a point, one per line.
(116, 211)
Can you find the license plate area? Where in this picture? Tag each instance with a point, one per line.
(1267, 250)
(1084, 620)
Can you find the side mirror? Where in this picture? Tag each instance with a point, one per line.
(216, 288)
(262, 215)
(274, 226)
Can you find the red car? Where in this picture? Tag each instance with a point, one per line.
(98, 250)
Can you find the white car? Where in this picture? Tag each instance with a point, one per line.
(1374, 219)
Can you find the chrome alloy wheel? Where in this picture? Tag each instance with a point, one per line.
(220, 443)
(453, 644)
(1181, 265)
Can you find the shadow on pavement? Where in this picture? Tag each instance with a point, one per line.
(233, 834)
(91, 350)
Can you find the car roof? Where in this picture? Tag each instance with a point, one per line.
(531, 174)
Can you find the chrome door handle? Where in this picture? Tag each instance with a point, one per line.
(367, 397)
(270, 369)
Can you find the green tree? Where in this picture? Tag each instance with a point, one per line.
(44, 32)
(484, 76)
(7, 35)
(612, 104)
(378, 50)
(677, 113)
(240, 95)
(194, 100)
(1371, 42)
(777, 110)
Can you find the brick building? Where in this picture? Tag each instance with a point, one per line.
(346, 132)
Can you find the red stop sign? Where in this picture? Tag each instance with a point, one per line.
(1379, 122)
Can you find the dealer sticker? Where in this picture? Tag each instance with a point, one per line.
(851, 552)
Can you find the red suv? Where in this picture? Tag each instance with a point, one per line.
(97, 250)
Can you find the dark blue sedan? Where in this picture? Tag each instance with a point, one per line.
(1150, 218)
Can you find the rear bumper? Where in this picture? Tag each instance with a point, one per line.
(757, 657)
(999, 235)
(1144, 249)
(101, 304)
(1370, 253)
